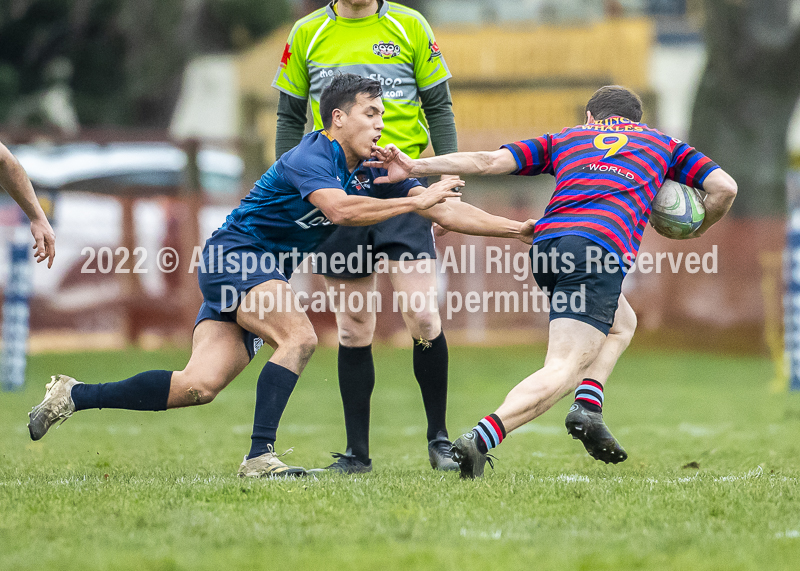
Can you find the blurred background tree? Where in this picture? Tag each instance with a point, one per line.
(127, 56)
(747, 95)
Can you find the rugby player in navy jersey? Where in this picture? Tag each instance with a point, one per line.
(607, 172)
(244, 276)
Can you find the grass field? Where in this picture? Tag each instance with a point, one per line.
(126, 490)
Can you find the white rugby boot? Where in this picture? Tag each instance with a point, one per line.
(57, 405)
(268, 465)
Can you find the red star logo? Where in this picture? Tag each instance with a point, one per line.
(286, 55)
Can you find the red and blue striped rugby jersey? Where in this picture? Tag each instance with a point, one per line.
(607, 174)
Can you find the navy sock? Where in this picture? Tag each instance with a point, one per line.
(275, 386)
(356, 383)
(145, 391)
(430, 368)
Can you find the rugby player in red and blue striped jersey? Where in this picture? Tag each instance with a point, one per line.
(607, 172)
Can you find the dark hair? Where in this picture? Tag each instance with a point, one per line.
(614, 100)
(341, 94)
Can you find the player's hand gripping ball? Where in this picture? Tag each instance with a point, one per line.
(678, 210)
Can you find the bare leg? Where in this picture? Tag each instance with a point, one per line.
(415, 281)
(572, 347)
(271, 310)
(284, 326)
(575, 350)
(617, 341)
(584, 422)
(356, 328)
(218, 356)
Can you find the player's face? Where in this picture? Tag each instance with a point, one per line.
(363, 125)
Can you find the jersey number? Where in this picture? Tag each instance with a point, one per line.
(611, 143)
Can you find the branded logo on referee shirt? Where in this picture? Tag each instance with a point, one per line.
(435, 51)
(386, 50)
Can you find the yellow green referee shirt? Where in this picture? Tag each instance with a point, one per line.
(395, 46)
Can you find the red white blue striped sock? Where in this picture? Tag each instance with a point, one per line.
(590, 393)
(491, 432)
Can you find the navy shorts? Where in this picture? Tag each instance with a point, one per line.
(223, 288)
(407, 237)
(572, 271)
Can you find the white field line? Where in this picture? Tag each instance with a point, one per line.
(788, 534)
(753, 474)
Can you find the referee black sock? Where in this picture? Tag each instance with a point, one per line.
(275, 386)
(145, 391)
(430, 368)
(356, 383)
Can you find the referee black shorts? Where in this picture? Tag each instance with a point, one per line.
(406, 237)
(580, 284)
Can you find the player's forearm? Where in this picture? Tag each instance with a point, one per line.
(480, 162)
(717, 206)
(464, 218)
(721, 191)
(365, 210)
(16, 183)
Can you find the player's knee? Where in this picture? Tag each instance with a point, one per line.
(353, 338)
(424, 324)
(200, 396)
(196, 387)
(356, 330)
(305, 343)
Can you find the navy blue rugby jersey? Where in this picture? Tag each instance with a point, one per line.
(607, 174)
(276, 215)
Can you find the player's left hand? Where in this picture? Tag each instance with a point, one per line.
(45, 239)
(526, 231)
(438, 193)
(397, 164)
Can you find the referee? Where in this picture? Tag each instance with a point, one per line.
(394, 45)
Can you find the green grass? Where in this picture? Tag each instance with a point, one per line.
(126, 490)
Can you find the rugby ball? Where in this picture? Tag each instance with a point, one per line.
(677, 210)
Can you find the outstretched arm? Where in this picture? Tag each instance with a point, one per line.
(720, 190)
(462, 217)
(400, 166)
(16, 183)
(348, 210)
